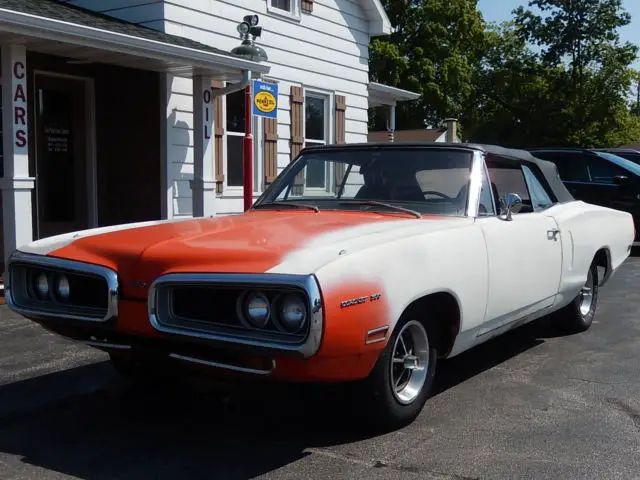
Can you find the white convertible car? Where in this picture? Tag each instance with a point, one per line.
(363, 263)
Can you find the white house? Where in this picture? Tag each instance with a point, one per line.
(128, 110)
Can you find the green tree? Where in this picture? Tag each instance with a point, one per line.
(583, 37)
(434, 51)
(574, 91)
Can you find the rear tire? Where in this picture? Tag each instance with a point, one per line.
(578, 316)
(400, 383)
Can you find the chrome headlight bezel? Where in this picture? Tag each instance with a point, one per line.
(211, 327)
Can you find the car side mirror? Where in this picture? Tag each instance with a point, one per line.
(621, 180)
(510, 203)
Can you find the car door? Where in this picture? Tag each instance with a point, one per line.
(524, 253)
(605, 191)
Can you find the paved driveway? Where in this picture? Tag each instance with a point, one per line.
(528, 405)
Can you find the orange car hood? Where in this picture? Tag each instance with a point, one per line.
(255, 241)
(251, 242)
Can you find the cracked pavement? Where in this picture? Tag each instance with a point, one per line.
(527, 405)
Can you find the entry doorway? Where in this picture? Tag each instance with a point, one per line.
(64, 164)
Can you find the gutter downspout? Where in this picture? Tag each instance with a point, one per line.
(247, 141)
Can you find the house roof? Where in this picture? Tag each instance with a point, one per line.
(380, 94)
(417, 135)
(379, 23)
(52, 20)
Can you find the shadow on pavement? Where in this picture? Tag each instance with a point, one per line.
(201, 432)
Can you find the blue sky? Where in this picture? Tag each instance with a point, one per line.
(500, 10)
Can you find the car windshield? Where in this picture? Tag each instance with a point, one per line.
(631, 156)
(417, 181)
(621, 162)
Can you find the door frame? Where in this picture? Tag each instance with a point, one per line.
(91, 155)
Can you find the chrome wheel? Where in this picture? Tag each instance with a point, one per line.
(586, 295)
(410, 362)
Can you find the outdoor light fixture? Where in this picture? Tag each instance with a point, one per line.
(248, 48)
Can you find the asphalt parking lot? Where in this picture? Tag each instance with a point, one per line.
(528, 405)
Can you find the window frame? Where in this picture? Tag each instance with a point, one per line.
(595, 159)
(533, 168)
(294, 13)
(235, 191)
(329, 122)
(537, 175)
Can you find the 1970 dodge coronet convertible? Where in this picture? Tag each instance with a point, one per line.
(363, 263)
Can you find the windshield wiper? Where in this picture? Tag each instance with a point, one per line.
(288, 204)
(382, 204)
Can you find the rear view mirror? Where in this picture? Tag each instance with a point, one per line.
(621, 180)
(510, 203)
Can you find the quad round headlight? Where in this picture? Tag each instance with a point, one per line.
(257, 309)
(42, 285)
(292, 313)
(63, 288)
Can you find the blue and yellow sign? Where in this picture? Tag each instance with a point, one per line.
(265, 99)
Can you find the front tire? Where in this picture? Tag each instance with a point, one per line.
(578, 316)
(401, 380)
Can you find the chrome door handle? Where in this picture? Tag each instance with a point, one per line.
(553, 234)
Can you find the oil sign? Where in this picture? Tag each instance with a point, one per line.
(265, 99)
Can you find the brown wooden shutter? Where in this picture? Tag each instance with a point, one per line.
(341, 107)
(307, 6)
(218, 129)
(270, 150)
(297, 135)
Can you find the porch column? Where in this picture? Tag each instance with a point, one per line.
(203, 185)
(391, 122)
(16, 184)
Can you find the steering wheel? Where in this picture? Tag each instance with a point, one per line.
(438, 194)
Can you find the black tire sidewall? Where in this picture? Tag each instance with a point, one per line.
(389, 412)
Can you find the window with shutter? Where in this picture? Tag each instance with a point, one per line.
(218, 147)
(290, 8)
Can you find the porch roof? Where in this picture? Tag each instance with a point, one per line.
(57, 28)
(380, 94)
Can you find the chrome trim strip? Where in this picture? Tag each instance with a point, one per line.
(109, 275)
(308, 283)
(475, 184)
(373, 332)
(118, 346)
(226, 366)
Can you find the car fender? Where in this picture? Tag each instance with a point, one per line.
(369, 289)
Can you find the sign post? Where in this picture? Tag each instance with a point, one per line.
(263, 103)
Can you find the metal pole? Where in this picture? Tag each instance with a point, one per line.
(391, 123)
(247, 150)
(638, 98)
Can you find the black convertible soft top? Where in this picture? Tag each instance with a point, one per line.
(548, 169)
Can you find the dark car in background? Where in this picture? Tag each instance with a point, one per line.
(628, 153)
(598, 177)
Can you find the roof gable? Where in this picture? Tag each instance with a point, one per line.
(379, 23)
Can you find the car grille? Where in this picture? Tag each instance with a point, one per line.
(210, 306)
(91, 296)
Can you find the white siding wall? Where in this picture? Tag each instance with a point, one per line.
(326, 50)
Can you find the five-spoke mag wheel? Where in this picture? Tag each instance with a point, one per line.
(410, 362)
